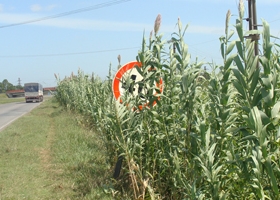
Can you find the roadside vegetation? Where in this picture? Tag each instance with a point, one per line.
(46, 154)
(213, 134)
(5, 85)
(4, 99)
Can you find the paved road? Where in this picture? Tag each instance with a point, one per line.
(12, 111)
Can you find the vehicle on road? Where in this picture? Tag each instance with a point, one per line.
(33, 92)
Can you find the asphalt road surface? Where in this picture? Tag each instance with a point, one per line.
(11, 111)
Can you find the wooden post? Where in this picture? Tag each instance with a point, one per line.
(253, 25)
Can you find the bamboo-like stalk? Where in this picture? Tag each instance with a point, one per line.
(212, 135)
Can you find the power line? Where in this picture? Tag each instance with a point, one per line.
(90, 52)
(98, 6)
(87, 52)
(67, 54)
(208, 41)
(274, 20)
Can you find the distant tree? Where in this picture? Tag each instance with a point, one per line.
(6, 85)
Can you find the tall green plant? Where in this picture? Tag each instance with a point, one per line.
(211, 135)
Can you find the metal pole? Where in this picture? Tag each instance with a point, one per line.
(250, 15)
(255, 27)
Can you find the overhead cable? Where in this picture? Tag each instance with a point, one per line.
(95, 7)
(66, 54)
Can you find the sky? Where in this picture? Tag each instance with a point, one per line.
(92, 38)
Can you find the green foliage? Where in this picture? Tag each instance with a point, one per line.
(5, 85)
(207, 138)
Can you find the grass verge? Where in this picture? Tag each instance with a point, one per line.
(5, 99)
(46, 155)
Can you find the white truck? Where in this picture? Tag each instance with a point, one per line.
(33, 92)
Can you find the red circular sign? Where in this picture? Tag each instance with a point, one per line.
(129, 70)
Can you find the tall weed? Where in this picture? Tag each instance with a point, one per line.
(212, 135)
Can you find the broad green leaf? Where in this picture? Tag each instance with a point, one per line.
(239, 78)
(186, 60)
(240, 89)
(275, 112)
(223, 50)
(255, 160)
(265, 118)
(207, 138)
(179, 59)
(184, 51)
(222, 46)
(257, 96)
(267, 50)
(267, 96)
(253, 32)
(256, 122)
(267, 45)
(178, 47)
(230, 47)
(202, 130)
(254, 83)
(232, 117)
(225, 81)
(239, 30)
(266, 81)
(253, 67)
(240, 49)
(249, 137)
(272, 177)
(265, 64)
(229, 61)
(239, 65)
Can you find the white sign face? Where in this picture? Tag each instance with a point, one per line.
(131, 76)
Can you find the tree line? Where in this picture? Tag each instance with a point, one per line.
(5, 85)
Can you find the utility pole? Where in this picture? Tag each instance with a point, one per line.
(253, 24)
(19, 84)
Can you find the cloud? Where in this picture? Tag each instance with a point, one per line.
(35, 7)
(38, 7)
(50, 7)
(1, 7)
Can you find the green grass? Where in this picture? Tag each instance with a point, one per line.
(5, 99)
(47, 155)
